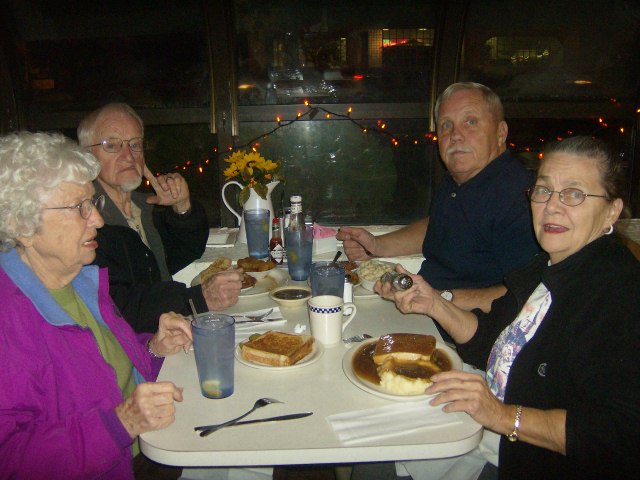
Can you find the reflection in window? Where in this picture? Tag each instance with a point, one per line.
(329, 52)
(535, 54)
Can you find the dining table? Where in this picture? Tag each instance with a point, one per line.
(320, 385)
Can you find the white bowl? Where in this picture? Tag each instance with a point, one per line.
(291, 295)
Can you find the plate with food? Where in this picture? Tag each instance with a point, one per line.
(255, 267)
(251, 284)
(370, 272)
(275, 350)
(351, 269)
(398, 366)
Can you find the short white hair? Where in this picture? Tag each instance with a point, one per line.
(87, 126)
(491, 99)
(32, 166)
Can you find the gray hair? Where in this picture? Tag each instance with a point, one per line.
(87, 126)
(610, 166)
(494, 104)
(32, 166)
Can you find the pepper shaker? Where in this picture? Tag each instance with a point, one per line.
(399, 281)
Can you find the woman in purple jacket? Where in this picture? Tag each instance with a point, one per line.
(78, 382)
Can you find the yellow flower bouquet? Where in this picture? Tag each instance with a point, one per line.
(252, 171)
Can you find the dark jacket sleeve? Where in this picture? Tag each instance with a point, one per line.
(184, 236)
(134, 280)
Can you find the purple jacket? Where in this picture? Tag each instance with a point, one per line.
(57, 417)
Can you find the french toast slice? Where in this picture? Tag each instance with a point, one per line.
(404, 347)
(277, 349)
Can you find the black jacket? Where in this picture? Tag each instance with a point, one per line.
(584, 358)
(139, 279)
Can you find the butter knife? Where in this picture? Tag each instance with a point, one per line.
(291, 416)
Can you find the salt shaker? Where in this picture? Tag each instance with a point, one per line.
(399, 281)
(347, 296)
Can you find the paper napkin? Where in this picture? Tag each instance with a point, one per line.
(362, 426)
(245, 330)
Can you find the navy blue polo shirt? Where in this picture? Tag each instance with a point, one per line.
(481, 230)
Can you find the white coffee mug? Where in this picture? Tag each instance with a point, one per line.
(327, 319)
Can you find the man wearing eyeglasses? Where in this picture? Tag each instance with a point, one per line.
(147, 238)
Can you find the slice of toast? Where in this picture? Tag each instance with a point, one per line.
(278, 349)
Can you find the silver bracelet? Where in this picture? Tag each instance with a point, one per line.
(150, 350)
(188, 210)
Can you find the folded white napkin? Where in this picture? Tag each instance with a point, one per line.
(362, 426)
(245, 330)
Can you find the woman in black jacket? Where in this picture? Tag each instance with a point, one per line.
(564, 402)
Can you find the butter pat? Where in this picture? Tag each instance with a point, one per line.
(324, 245)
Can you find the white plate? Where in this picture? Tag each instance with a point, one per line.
(277, 277)
(313, 357)
(372, 388)
(360, 292)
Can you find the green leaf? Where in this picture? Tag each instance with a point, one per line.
(246, 175)
(261, 190)
(244, 195)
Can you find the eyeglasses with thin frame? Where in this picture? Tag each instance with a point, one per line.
(114, 144)
(571, 197)
(85, 207)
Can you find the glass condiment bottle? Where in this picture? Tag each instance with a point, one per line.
(296, 220)
(276, 245)
(399, 281)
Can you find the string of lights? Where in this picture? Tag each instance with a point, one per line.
(381, 128)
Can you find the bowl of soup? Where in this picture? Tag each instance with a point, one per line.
(291, 295)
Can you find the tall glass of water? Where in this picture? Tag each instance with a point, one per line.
(299, 248)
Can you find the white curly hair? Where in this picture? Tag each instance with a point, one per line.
(32, 166)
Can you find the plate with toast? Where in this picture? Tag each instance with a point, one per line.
(275, 350)
(398, 366)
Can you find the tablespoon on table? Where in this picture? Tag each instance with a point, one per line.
(262, 402)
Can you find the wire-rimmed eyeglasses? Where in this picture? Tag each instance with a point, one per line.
(114, 144)
(571, 197)
(85, 207)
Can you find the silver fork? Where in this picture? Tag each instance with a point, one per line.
(253, 318)
(209, 429)
(357, 338)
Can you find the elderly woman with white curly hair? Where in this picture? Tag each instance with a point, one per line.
(81, 380)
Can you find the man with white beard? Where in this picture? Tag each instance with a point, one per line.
(146, 237)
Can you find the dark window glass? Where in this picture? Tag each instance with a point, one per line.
(561, 68)
(334, 51)
(375, 56)
(77, 54)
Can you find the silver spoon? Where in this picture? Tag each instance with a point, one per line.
(209, 429)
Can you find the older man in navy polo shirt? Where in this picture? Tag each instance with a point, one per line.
(479, 227)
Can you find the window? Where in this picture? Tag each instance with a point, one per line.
(361, 151)
(560, 68)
